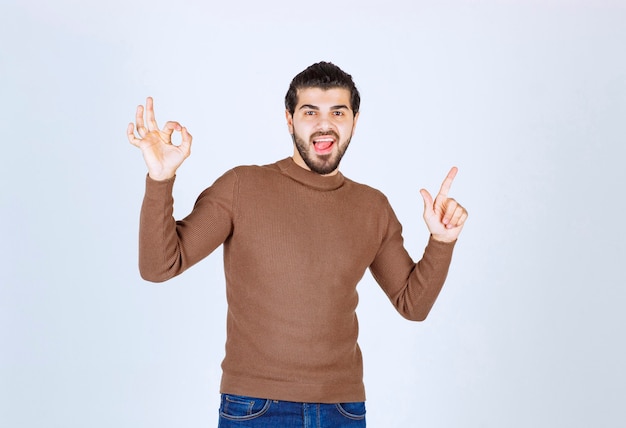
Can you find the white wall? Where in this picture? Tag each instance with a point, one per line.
(527, 98)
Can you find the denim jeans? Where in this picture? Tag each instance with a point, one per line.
(238, 411)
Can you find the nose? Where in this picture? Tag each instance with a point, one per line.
(324, 123)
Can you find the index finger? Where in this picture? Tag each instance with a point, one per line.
(447, 183)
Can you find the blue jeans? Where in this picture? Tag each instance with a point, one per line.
(237, 411)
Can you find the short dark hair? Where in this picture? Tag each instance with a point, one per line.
(324, 75)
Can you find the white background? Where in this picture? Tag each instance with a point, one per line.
(527, 98)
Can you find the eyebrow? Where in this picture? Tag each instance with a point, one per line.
(312, 107)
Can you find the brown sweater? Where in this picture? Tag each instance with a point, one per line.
(295, 246)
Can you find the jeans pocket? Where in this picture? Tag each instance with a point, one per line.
(355, 411)
(242, 408)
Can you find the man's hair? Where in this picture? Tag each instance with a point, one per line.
(323, 75)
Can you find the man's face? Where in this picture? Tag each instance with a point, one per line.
(321, 126)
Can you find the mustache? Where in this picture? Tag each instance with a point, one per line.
(325, 133)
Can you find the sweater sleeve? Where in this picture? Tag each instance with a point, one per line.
(168, 247)
(411, 287)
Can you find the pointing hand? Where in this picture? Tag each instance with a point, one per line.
(444, 216)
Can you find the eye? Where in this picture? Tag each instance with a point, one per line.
(338, 113)
(309, 113)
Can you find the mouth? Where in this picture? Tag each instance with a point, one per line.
(323, 144)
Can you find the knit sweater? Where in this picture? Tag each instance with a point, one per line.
(295, 246)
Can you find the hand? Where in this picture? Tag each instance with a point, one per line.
(161, 156)
(444, 216)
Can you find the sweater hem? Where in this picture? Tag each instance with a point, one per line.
(293, 391)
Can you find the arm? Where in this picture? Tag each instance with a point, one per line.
(414, 287)
(168, 247)
(411, 287)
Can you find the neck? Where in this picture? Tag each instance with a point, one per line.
(309, 178)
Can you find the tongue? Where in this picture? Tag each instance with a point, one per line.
(323, 145)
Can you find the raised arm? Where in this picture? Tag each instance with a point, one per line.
(413, 288)
(161, 156)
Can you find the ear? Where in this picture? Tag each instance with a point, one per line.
(289, 118)
(356, 118)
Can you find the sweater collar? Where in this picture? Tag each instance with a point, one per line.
(309, 178)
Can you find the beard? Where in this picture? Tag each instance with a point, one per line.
(321, 164)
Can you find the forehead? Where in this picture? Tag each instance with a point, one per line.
(323, 97)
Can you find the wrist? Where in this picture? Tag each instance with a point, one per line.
(443, 238)
(161, 176)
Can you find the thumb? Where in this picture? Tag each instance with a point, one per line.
(428, 200)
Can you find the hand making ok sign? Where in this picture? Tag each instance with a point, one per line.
(161, 156)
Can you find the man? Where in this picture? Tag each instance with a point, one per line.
(298, 236)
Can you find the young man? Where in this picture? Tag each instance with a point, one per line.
(298, 236)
